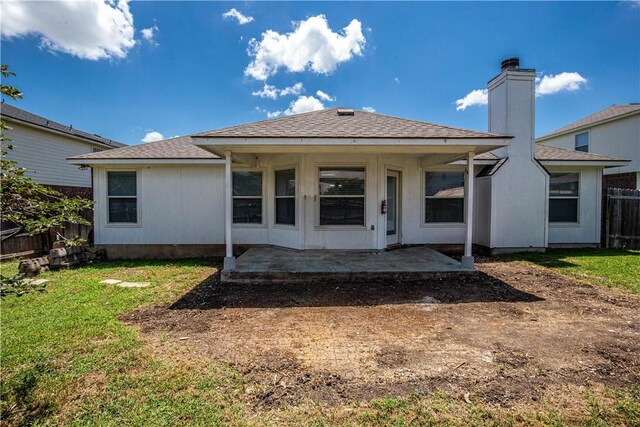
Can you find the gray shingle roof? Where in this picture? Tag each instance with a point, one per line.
(546, 153)
(607, 114)
(328, 124)
(10, 112)
(180, 147)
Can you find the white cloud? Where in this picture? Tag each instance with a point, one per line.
(545, 85)
(268, 91)
(89, 29)
(549, 85)
(369, 109)
(312, 45)
(475, 97)
(304, 104)
(273, 114)
(272, 92)
(325, 96)
(149, 34)
(397, 80)
(234, 14)
(152, 136)
(292, 90)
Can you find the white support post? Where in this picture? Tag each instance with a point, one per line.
(229, 259)
(467, 259)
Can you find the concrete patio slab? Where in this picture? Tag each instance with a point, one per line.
(281, 265)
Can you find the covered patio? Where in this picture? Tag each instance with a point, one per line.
(282, 265)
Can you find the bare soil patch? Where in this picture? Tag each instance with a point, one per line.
(511, 335)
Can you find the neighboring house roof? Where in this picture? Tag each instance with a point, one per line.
(330, 123)
(180, 147)
(614, 112)
(10, 112)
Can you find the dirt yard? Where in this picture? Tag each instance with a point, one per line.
(512, 335)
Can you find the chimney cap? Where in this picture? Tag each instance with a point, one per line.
(512, 63)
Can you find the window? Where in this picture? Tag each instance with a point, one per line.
(341, 196)
(582, 142)
(247, 197)
(286, 197)
(122, 194)
(444, 197)
(563, 197)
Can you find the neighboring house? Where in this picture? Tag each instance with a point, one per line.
(346, 179)
(42, 146)
(614, 131)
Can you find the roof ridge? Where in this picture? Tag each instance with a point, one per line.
(424, 122)
(272, 119)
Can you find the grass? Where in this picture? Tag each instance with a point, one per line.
(606, 267)
(68, 359)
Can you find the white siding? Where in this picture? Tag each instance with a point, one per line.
(176, 205)
(45, 153)
(620, 139)
(185, 205)
(587, 230)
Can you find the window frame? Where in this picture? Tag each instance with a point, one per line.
(423, 210)
(319, 167)
(294, 197)
(138, 222)
(263, 222)
(564, 223)
(588, 144)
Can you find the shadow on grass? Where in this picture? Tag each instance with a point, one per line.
(141, 263)
(211, 294)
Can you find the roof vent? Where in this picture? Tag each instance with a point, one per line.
(345, 112)
(512, 63)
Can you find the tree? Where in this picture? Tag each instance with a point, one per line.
(34, 207)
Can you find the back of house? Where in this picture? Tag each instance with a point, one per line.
(348, 179)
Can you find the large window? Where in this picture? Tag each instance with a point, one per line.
(286, 197)
(122, 194)
(247, 197)
(444, 197)
(342, 196)
(563, 197)
(582, 142)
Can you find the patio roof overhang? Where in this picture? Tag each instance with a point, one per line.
(433, 151)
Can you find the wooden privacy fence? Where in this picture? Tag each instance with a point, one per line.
(16, 243)
(622, 219)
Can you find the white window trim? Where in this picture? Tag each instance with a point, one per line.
(588, 144)
(264, 222)
(423, 209)
(578, 197)
(317, 201)
(138, 222)
(295, 198)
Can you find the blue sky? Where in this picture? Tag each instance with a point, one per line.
(408, 59)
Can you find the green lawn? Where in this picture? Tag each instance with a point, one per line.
(67, 359)
(607, 267)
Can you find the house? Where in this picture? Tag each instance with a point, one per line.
(615, 132)
(42, 146)
(347, 179)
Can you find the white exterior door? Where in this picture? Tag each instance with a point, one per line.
(393, 207)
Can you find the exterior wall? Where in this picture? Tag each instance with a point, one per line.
(176, 205)
(184, 205)
(45, 153)
(587, 230)
(619, 138)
